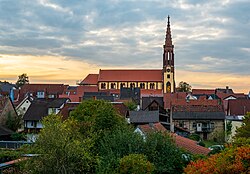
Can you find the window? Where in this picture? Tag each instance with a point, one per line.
(40, 94)
(132, 85)
(51, 96)
(212, 125)
(194, 125)
(103, 85)
(142, 85)
(122, 85)
(152, 86)
(113, 85)
(168, 76)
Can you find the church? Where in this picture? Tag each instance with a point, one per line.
(154, 82)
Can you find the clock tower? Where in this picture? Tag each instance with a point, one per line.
(168, 62)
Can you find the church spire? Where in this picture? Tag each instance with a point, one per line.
(168, 61)
(168, 39)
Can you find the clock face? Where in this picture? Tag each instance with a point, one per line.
(168, 70)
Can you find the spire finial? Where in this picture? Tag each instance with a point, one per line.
(168, 20)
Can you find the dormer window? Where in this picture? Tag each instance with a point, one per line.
(40, 94)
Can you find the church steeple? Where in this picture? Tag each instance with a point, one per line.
(168, 55)
(168, 61)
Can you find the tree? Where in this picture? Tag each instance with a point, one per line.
(62, 149)
(184, 87)
(232, 160)
(131, 105)
(135, 163)
(97, 116)
(22, 80)
(244, 130)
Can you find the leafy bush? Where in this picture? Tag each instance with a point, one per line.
(135, 164)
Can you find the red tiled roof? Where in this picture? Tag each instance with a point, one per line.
(91, 79)
(181, 142)
(156, 127)
(151, 92)
(64, 112)
(169, 97)
(189, 145)
(77, 94)
(203, 91)
(130, 76)
(223, 96)
(238, 107)
(121, 108)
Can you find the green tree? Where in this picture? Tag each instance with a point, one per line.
(131, 105)
(135, 164)
(184, 87)
(62, 149)
(162, 152)
(22, 79)
(13, 121)
(97, 116)
(244, 130)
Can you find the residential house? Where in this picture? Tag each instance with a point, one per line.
(181, 142)
(40, 91)
(204, 117)
(236, 110)
(40, 108)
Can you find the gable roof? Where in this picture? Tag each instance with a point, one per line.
(39, 108)
(189, 145)
(147, 101)
(67, 108)
(203, 91)
(154, 127)
(144, 116)
(181, 142)
(130, 75)
(238, 107)
(121, 108)
(91, 79)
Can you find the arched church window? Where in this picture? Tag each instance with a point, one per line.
(132, 85)
(103, 85)
(113, 85)
(168, 87)
(152, 86)
(142, 85)
(122, 85)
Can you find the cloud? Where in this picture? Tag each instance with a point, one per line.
(209, 36)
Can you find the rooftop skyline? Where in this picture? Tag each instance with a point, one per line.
(63, 41)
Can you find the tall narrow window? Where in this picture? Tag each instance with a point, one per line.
(152, 86)
(113, 85)
(103, 85)
(142, 85)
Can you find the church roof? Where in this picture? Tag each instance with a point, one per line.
(130, 75)
(91, 79)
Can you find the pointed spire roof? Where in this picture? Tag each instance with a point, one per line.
(168, 39)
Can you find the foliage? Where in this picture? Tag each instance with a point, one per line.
(115, 145)
(97, 116)
(22, 79)
(244, 130)
(162, 152)
(131, 105)
(8, 155)
(184, 87)
(135, 164)
(201, 143)
(18, 136)
(219, 137)
(229, 128)
(62, 149)
(13, 121)
(231, 160)
(194, 137)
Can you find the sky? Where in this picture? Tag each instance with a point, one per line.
(61, 41)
